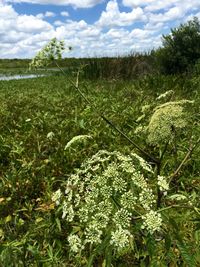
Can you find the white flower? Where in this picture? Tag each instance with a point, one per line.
(146, 198)
(120, 238)
(75, 243)
(152, 221)
(122, 218)
(128, 200)
(93, 233)
(56, 197)
(162, 183)
(64, 209)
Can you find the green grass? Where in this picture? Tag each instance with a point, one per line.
(33, 166)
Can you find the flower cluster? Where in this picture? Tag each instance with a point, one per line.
(104, 195)
(52, 51)
(165, 119)
(162, 183)
(75, 243)
(56, 197)
(120, 238)
(152, 221)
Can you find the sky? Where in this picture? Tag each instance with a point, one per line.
(91, 27)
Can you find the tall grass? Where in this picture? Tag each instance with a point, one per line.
(122, 67)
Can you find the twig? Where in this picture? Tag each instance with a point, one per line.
(171, 207)
(191, 149)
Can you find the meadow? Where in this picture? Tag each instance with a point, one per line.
(48, 132)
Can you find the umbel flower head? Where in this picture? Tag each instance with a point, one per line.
(165, 119)
(103, 196)
(52, 51)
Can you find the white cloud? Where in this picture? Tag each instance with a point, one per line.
(31, 24)
(16, 29)
(156, 5)
(64, 14)
(114, 32)
(58, 23)
(113, 17)
(140, 34)
(74, 3)
(47, 14)
(134, 3)
(172, 14)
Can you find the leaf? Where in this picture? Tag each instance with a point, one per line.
(186, 254)
(168, 242)
(8, 219)
(58, 224)
(46, 207)
(38, 220)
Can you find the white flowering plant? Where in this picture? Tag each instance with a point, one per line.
(114, 200)
(110, 197)
(50, 52)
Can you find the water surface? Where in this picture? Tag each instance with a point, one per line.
(19, 77)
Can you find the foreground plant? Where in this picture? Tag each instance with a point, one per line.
(103, 199)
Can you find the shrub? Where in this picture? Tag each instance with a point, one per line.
(181, 48)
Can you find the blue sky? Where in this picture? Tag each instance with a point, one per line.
(91, 27)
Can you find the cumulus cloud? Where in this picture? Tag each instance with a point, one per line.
(156, 5)
(74, 3)
(47, 14)
(64, 14)
(16, 29)
(113, 17)
(116, 31)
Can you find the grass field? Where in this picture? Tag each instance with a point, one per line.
(39, 117)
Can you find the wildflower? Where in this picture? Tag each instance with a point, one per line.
(122, 217)
(93, 233)
(120, 238)
(71, 214)
(56, 197)
(128, 200)
(152, 221)
(75, 243)
(146, 198)
(138, 180)
(119, 184)
(64, 209)
(166, 117)
(53, 50)
(162, 183)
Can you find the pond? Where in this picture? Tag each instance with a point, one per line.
(19, 77)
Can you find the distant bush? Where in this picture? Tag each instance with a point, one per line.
(181, 48)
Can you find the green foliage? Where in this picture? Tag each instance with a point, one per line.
(181, 48)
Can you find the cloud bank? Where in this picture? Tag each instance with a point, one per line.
(129, 25)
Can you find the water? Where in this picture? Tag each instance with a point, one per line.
(19, 77)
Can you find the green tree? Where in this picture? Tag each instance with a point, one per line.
(181, 48)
